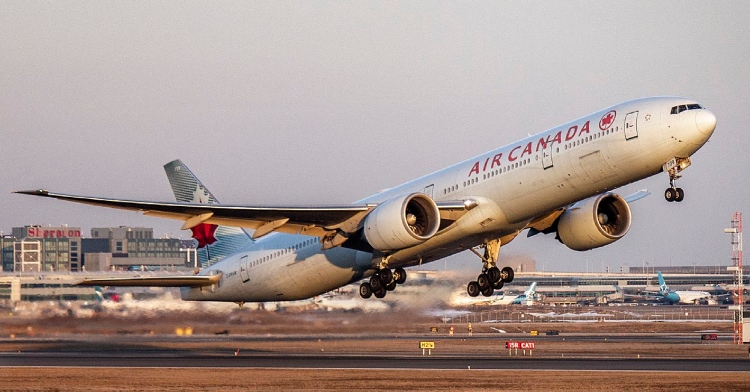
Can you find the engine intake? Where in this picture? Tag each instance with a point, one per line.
(402, 222)
(599, 221)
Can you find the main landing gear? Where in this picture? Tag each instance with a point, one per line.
(673, 168)
(381, 282)
(492, 278)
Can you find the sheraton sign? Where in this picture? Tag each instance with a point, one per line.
(53, 232)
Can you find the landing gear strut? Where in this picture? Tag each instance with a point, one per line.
(382, 281)
(673, 168)
(492, 278)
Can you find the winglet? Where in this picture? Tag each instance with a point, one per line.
(37, 192)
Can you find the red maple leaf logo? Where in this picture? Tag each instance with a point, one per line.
(607, 120)
(204, 234)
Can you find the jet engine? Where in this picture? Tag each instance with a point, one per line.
(594, 222)
(402, 222)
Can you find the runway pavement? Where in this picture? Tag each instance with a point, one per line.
(352, 352)
(112, 360)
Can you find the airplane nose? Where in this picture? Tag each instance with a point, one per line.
(705, 121)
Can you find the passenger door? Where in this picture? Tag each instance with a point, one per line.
(244, 273)
(631, 125)
(547, 156)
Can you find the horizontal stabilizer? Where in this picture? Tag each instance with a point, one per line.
(154, 281)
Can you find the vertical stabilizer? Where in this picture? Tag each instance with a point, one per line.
(663, 288)
(531, 291)
(214, 242)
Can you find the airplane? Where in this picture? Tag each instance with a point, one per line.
(683, 296)
(559, 181)
(498, 298)
(528, 297)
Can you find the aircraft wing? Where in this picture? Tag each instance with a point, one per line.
(323, 221)
(154, 281)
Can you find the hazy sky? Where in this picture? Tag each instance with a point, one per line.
(328, 102)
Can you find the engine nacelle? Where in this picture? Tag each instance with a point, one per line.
(598, 221)
(402, 222)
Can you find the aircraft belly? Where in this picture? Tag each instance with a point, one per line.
(483, 223)
(290, 278)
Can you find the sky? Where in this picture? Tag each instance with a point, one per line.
(328, 102)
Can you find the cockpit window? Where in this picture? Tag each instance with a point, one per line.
(681, 108)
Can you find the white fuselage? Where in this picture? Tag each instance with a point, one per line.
(692, 297)
(512, 185)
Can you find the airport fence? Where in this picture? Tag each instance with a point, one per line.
(611, 314)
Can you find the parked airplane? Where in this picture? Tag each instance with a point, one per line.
(683, 296)
(528, 297)
(557, 181)
(498, 298)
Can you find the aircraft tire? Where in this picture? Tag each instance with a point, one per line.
(375, 283)
(507, 274)
(484, 282)
(679, 195)
(488, 292)
(386, 276)
(390, 286)
(365, 290)
(498, 285)
(380, 293)
(401, 275)
(473, 289)
(494, 274)
(669, 194)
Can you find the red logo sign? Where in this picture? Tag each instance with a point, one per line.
(204, 234)
(53, 232)
(607, 120)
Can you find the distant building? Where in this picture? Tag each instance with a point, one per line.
(6, 252)
(133, 248)
(680, 269)
(63, 249)
(46, 248)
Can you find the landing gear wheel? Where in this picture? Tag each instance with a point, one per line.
(494, 274)
(473, 289)
(391, 286)
(386, 276)
(488, 292)
(680, 196)
(507, 274)
(670, 194)
(365, 290)
(375, 283)
(399, 275)
(483, 282)
(380, 293)
(498, 285)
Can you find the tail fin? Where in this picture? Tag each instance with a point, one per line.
(662, 284)
(214, 242)
(99, 294)
(531, 290)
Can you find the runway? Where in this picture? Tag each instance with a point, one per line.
(401, 352)
(112, 360)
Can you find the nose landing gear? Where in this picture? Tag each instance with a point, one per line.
(674, 194)
(673, 168)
